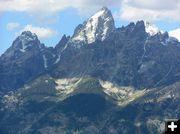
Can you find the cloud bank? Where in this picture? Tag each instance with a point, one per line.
(175, 33)
(41, 32)
(45, 8)
(152, 10)
(128, 9)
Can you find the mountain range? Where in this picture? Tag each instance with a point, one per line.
(101, 80)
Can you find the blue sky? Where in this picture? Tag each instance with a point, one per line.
(50, 19)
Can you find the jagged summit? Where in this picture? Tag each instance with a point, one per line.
(100, 25)
(97, 27)
(29, 34)
(25, 40)
(146, 26)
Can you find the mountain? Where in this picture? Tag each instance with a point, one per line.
(102, 80)
(24, 60)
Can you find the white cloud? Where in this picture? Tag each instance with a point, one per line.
(41, 32)
(151, 10)
(175, 33)
(45, 8)
(12, 26)
(153, 4)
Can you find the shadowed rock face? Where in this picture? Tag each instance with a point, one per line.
(128, 57)
(86, 105)
(23, 61)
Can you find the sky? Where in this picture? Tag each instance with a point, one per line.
(50, 19)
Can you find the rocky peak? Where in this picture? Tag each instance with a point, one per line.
(134, 27)
(28, 34)
(25, 43)
(62, 43)
(133, 30)
(97, 27)
(25, 40)
(24, 60)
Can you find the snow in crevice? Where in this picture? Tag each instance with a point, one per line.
(58, 59)
(45, 61)
(59, 55)
(166, 42)
(144, 48)
(64, 48)
(25, 38)
(24, 41)
(23, 49)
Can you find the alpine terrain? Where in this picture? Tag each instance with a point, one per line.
(101, 80)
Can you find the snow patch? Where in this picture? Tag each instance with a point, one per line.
(59, 56)
(11, 101)
(124, 95)
(167, 95)
(65, 86)
(45, 61)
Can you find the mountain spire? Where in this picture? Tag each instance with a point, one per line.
(97, 27)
